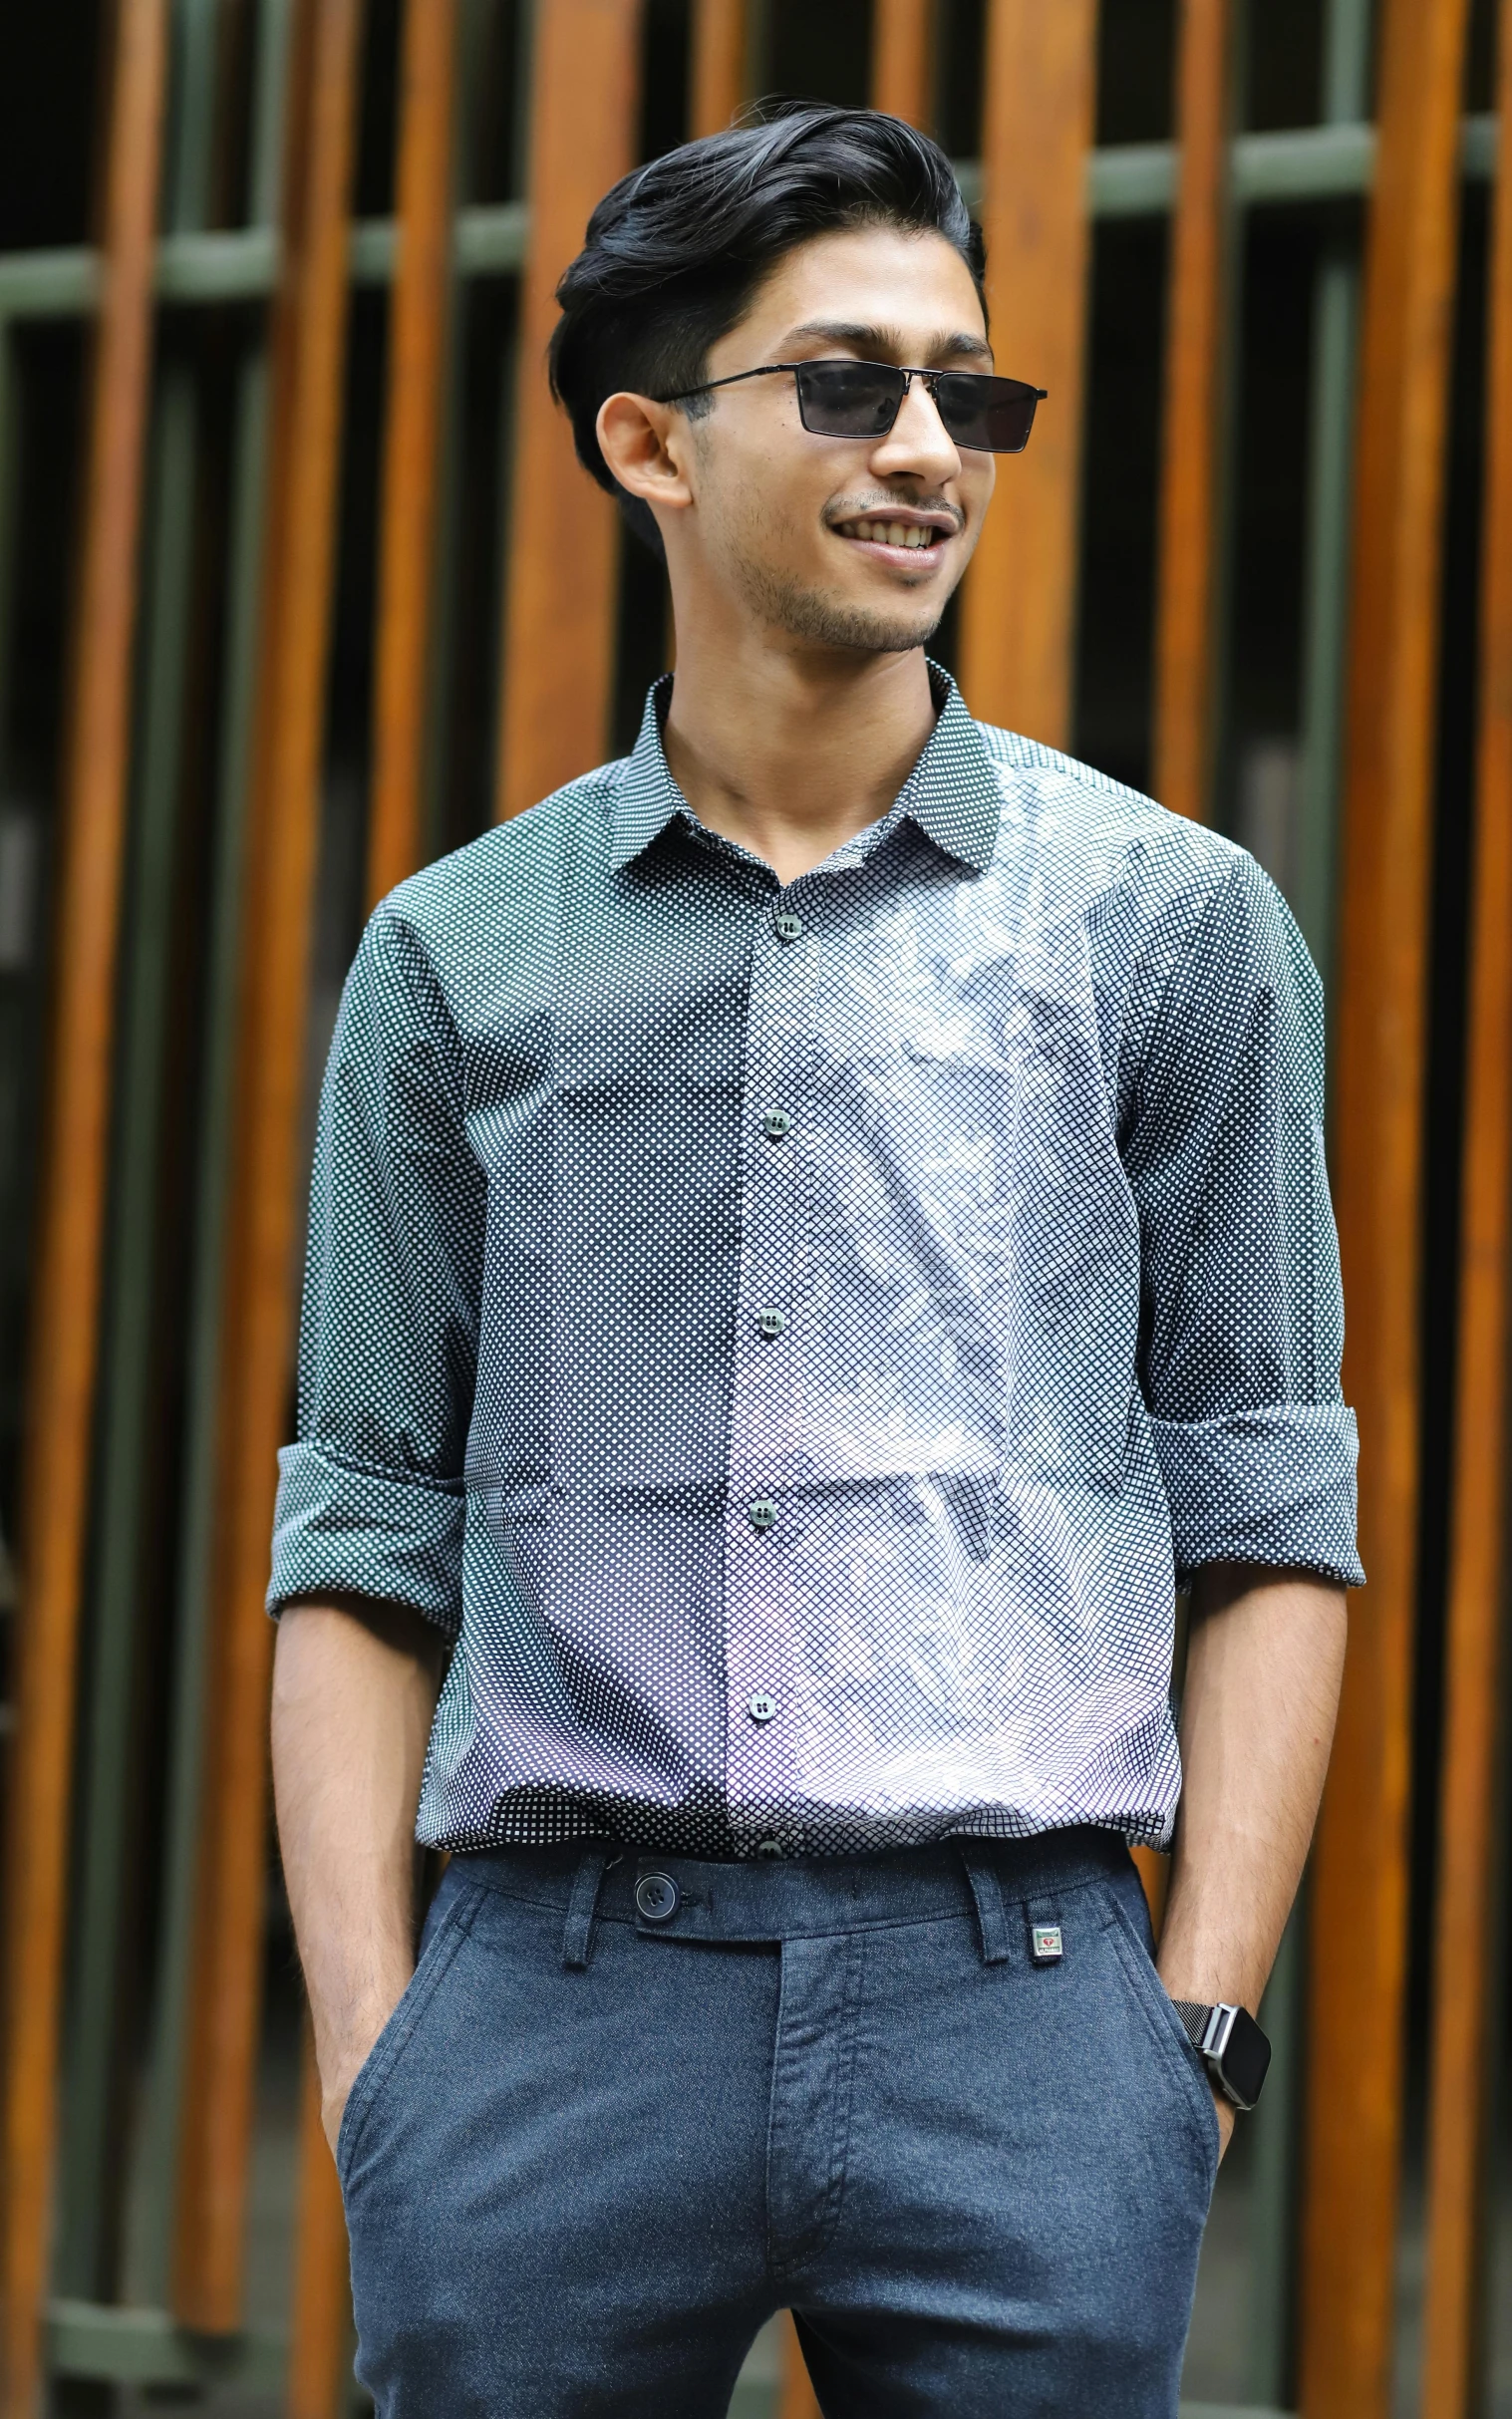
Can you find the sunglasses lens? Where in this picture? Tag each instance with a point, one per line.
(848, 398)
(990, 415)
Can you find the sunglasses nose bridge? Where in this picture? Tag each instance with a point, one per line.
(926, 380)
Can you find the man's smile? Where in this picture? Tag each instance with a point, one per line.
(900, 530)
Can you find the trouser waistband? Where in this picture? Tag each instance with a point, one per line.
(1011, 1885)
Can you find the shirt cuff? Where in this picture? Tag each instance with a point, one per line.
(1272, 1486)
(345, 1527)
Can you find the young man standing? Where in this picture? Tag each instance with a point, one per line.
(818, 1229)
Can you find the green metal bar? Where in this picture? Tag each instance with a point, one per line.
(9, 471)
(160, 2135)
(144, 2348)
(88, 2150)
(88, 2147)
(1124, 181)
(1273, 2175)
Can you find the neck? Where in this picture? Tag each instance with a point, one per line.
(789, 748)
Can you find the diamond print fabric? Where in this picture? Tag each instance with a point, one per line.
(860, 1299)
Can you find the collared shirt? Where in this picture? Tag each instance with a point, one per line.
(794, 1338)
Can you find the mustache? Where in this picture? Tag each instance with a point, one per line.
(879, 504)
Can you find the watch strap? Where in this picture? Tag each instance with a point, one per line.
(1194, 2019)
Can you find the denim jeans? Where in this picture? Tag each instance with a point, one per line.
(936, 2103)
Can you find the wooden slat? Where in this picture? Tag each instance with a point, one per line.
(1018, 624)
(411, 480)
(1360, 1887)
(322, 2311)
(563, 545)
(257, 1332)
(717, 77)
(796, 2398)
(64, 1312)
(1460, 2112)
(902, 59)
(1186, 616)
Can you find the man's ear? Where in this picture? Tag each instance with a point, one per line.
(645, 445)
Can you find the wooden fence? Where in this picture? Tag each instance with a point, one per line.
(198, 770)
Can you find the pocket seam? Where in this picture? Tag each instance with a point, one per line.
(1135, 1960)
(400, 2028)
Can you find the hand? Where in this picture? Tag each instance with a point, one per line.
(340, 2064)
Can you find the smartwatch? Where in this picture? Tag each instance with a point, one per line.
(1230, 2046)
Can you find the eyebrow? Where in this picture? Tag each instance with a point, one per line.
(883, 341)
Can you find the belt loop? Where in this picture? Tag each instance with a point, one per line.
(986, 1890)
(583, 1907)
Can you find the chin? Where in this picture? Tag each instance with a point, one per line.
(824, 619)
(835, 621)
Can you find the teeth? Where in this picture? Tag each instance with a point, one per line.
(892, 534)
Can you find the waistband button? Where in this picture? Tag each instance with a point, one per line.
(658, 1897)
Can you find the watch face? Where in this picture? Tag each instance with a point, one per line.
(1244, 2059)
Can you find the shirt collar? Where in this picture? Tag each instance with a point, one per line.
(951, 794)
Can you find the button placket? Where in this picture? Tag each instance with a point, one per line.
(764, 1394)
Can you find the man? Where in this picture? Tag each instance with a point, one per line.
(818, 1228)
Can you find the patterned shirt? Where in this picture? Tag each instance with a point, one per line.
(796, 1339)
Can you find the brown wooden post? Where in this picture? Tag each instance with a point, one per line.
(309, 353)
(717, 79)
(559, 665)
(902, 59)
(796, 2398)
(1360, 1884)
(1188, 619)
(65, 1309)
(322, 2314)
(1017, 625)
(416, 374)
(1460, 2109)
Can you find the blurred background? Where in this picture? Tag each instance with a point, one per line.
(299, 586)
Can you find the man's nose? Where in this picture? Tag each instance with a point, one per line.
(918, 438)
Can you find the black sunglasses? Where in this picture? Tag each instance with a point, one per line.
(864, 398)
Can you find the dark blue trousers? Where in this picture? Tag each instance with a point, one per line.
(937, 2103)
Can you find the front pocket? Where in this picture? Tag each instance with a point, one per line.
(1170, 2034)
(401, 2025)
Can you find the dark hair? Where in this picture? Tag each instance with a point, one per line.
(675, 251)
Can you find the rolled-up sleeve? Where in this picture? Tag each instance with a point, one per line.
(1242, 1312)
(371, 1496)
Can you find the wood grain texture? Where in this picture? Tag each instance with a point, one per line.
(66, 1286)
(1186, 606)
(319, 2381)
(1018, 609)
(903, 59)
(717, 75)
(560, 579)
(796, 2398)
(1352, 2139)
(1154, 1869)
(259, 1275)
(1470, 1864)
(410, 472)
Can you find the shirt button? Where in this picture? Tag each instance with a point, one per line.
(787, 926)
(776, 1125)
(769, 1848)
(771, 1322)
(657, 1896)
(761, 1514)
(761, 1707)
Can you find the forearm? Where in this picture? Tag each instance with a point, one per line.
(1264, 1665)
(354, 1693)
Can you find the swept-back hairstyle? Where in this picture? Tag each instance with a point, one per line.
(676, 251)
